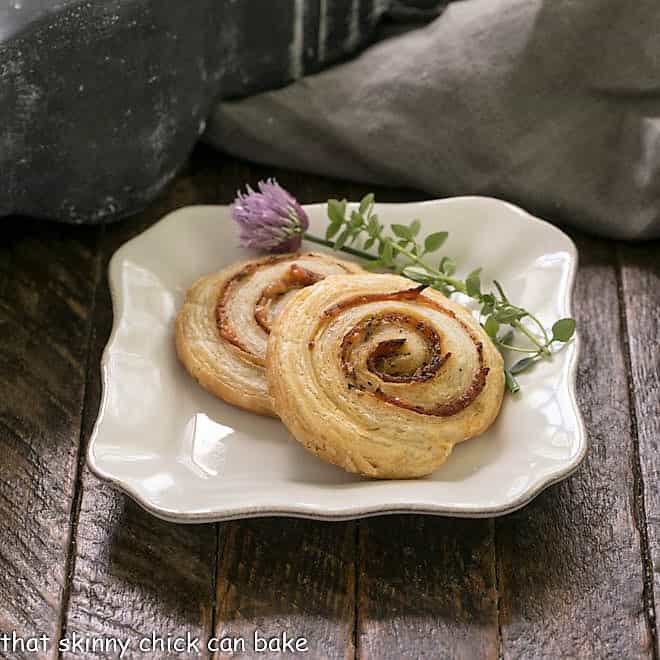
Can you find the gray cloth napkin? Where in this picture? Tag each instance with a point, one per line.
(553, 104)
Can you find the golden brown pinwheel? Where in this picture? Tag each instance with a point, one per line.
(380, 376)
(223, 326)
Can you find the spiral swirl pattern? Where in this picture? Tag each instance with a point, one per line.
(222, 329)
(382, 377)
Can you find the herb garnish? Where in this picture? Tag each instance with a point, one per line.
(399, 249)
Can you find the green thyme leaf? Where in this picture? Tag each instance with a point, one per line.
(402, 232)
(488, 304)
(507, 314)
(356, 219)
(498, 286)
(563, 329)
(374, 264)
(447, 266)
(336, 211)
(435, 241)
(507, 338)
(442, 287)
(366, 202)
(473, 283)
(414, 227)
(522, 365)
(512, 384)
(491, 327)
(332, 229)
(387, 257)
(343, 237)
(418, 274)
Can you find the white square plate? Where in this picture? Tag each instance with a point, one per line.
(186, 456)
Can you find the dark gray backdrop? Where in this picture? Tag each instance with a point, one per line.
(554, 104)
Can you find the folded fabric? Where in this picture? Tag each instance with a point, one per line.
(553, 104)
(102, 100)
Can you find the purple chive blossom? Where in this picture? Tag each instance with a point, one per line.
(271, 219)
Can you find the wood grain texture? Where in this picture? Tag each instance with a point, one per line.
(640, 297)
(427, 589)
(134, 575)
(569, 564)
(279, 575)
(48, 279)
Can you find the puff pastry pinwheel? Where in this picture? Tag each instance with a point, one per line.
(223, 326)
(380, 376)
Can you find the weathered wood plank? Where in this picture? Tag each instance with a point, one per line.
(427, 589)
(569, 567)
(288, 576)
(134, 575)
(48, 279)
(640, 297)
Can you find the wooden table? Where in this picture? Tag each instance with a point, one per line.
(574, 574)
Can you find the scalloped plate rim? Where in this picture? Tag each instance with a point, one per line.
(330, 513)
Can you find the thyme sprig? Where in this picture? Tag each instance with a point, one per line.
(401, 250)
